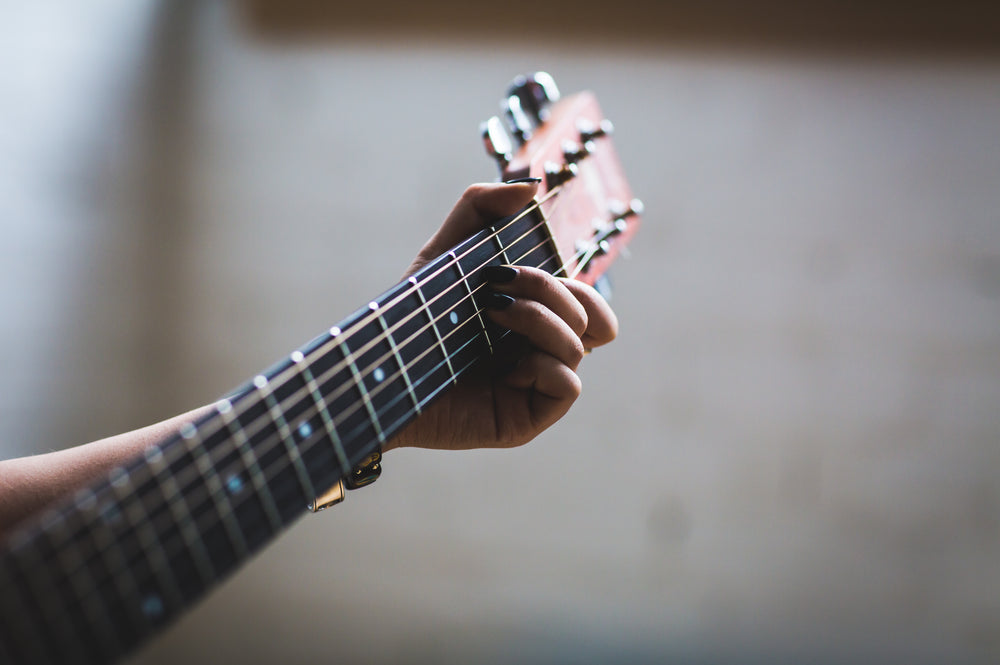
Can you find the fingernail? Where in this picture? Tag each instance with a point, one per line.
(499, 274)
(499, 301)
(519, 181)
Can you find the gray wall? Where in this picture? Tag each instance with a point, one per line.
(791, 453)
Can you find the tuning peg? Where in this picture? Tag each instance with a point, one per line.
(537, 92)
(556, 175)
(497, 142)
(520, 125)
(620, 211)
(574, 152)
(589, 131)
(526, 105)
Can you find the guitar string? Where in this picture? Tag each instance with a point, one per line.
(305, 394)
(166, 461)
(306, 445)
(166, 544)
(171, 543)
(268, 476)
(316, 437)
(293, 371)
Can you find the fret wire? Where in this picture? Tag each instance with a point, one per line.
(112, 557)
(27, 628)
(90, 598)
(503, 250)
(437, 333)
(436, 367)
(225, 409)
(402, 365)
(285, 434)
(48, 601)
(434, 394)
(148, 540)
(359, 380)
(225, 509)
(482, 321)
(181, 512)
(328, 423)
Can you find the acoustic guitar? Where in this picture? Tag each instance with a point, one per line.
(103, 572)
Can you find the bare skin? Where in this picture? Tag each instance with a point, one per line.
(493, 408)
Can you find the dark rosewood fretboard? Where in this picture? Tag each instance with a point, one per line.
(98, 575)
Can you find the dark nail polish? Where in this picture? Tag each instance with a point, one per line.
(499, 301)
(499, 274)
(518, 181)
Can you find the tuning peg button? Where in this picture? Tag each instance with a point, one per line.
(497, 142)
(527, 103)
(520, 125)
(589, 131)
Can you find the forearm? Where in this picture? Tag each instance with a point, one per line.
(29, 484)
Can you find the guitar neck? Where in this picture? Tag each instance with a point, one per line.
(96, 576)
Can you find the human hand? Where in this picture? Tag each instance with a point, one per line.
(533, 382)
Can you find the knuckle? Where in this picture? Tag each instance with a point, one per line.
(472, 192)
(575, 351)
(579, 320)
(574, 385)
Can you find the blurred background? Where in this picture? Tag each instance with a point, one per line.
(792, 454)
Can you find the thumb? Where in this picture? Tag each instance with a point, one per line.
(479, 206)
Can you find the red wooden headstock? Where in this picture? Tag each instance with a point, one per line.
(584, 195)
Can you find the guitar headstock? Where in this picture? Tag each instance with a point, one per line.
(566, 142)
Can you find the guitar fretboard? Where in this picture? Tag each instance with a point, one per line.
(95, 577)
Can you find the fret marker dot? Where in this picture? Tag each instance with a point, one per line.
(297, 357)
(234, 484)
(260, 380)
(152, 606)
(223, 406)
(373, 305)
(379, 374)
(188, 431)
(110, 513)
(119, 477)
(305, 429)
(453, 317)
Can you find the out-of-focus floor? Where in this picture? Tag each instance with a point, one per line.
(792, 454)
